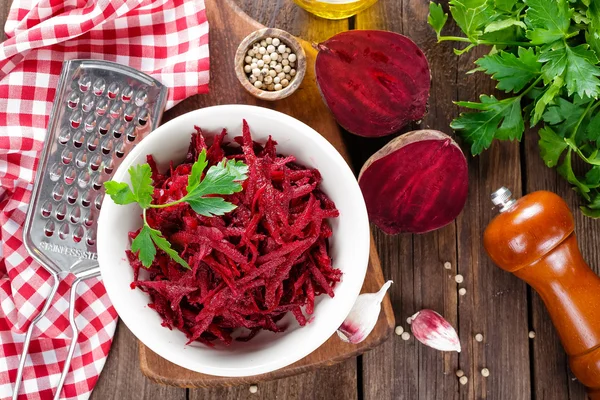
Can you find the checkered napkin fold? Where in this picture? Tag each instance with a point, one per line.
(167, 39)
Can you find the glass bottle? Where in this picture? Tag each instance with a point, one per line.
(335, 9)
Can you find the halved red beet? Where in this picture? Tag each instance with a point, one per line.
(374, 82)
(418, 182)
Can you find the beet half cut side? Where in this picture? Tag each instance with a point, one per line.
(416, 183)
(374, 82)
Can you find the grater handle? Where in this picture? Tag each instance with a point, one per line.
(37, 319)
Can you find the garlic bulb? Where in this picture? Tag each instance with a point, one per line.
(431, 329)
(363, 316)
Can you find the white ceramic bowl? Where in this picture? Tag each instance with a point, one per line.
(349, 244)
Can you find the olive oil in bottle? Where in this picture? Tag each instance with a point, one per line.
(335, 9)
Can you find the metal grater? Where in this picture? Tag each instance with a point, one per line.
(101, 110)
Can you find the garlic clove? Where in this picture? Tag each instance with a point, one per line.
(363, 316)
(431, 329)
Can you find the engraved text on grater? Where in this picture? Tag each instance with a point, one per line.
(57, 248)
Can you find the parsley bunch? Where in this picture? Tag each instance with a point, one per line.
(221, 179)
(544, 54)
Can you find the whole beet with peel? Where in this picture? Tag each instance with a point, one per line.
(374, 82)
(417, 183)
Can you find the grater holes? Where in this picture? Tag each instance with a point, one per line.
(127, 94)
(104, 126)
(98, 201)
(115, 110)
(61, 212)
(63, 231)
(84, 179)
(58, 192)
(120, 149)
(97, 182)
(75, 215)
(78, 139)
(75, 119)
(141, 97)
(99, 86)
(106, 146)
(90, 123)
(72, 195)
(78, 234)
(113, 90)
(95, 162)
(129, 113)
(131, 133)
(81, 159)
(86, 199)
(67, 156)
(92, 143)
(109, 166)
(49, 228)
(85, 81)
(90, 237)
(55, 172)
(101, 107)
(88, 103)
(64, 136)
(70, 175)
(46, 209)
(118, 130)
(88, 218)
(143, 117)
(73, 100)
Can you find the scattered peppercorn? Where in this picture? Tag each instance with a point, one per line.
(405, 336)
(253, 389)
(463, 380)
(399, 330)
(462, 291)
(531, 334)
(459, 373)
(479, 337)
(485, 372)
(459, 278)
(447, 265)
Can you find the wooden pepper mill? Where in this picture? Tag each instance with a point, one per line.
(534, 238)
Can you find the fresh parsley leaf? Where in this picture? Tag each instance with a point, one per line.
(511, 72)
(540, 106)
(563, 115)
(577, 65)
(566, 170)
(548, 20)
(497, 117)
(503, 24)
(119, 192)
(505, 5)
(471, 16)
(211, 206)
(593, 130)
(592, 180)
(437, 17)
(142, 244)
(165, 246)
(593, 13)
(197, 169)
(551, 146)
(140, 191)
(222, 178)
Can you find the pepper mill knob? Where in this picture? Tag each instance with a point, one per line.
(533, 237)
(503, 198)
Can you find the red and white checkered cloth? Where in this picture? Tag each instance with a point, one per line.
(167, 39)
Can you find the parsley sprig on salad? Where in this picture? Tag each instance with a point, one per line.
(202, 195)
(545, 55)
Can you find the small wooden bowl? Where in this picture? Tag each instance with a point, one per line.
(289, 41)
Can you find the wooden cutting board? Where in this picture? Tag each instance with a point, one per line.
(228, 26)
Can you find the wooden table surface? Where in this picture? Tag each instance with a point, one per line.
(496, 304)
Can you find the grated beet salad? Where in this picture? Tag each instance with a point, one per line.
(251, 266)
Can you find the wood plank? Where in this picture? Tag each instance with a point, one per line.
(121, 377)
(551, 375)
(425, 373)
(337, 382)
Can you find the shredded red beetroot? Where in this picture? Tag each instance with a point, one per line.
(251, 266)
